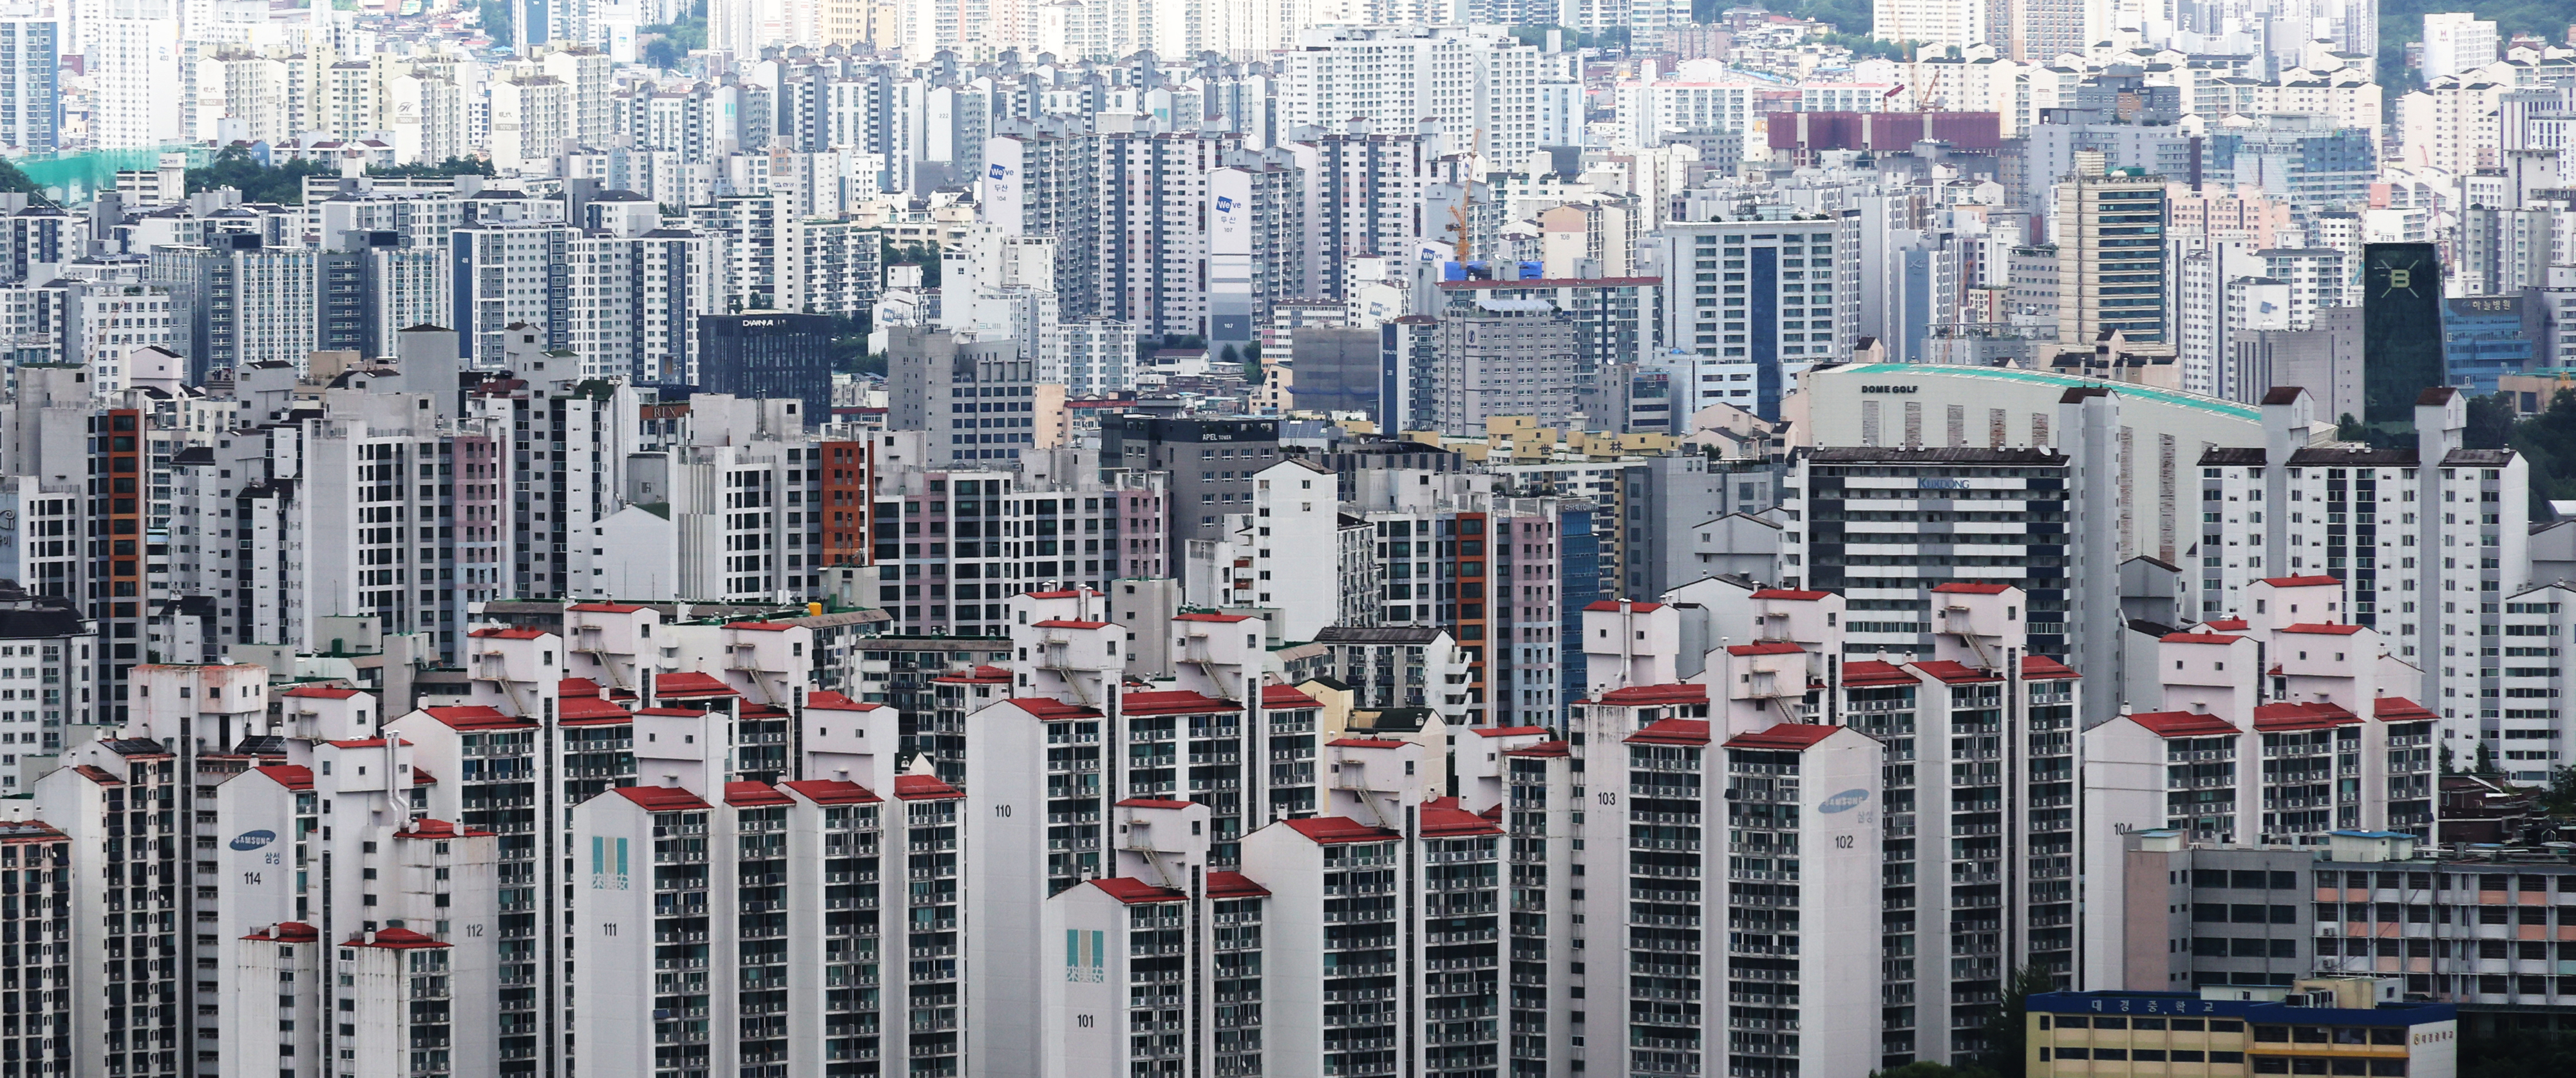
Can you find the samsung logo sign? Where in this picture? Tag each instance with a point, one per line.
(1844, 801)
(252, 840)
(1890, 389)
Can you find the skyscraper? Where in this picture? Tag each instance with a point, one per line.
(2110, 256)
(2401, 312)
(1776, 285)
(31, 111)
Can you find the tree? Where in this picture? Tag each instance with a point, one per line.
(850, 347)
(2008, 1033)
(2515, 1053)
(453, 166)
(924, 255)
(2559, 797)
(2490, 422)
(669, 44)
(16, 182)
(234, 167)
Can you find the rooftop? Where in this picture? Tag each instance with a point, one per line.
(2175, 398)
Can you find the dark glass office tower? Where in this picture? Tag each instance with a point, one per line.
(2401, 312)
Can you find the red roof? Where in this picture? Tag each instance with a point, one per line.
(1871, 673)
(1614, 606)
(287, 932)
(1793, 736)
(291, 776)
(1785, 593)
(1365, 743)
(1209, 617)
(831, 791)
(477, 717)
(1234, 885)
(320, 693)
(1153, 803)
(1955, 672)
(1648, 695)
(2199, 638)
(2302, 581)
(1455, 823)
(2225, 625)
(509, 634)
(1543, 748)
(1777, 647)
(924, 788)
(589, 710)
(1175, 702)
(1137, 892)
(1285, 698)
(1508, 731)
(2183, 724)
(401, 939)
(981, 675)
(670, 712)
(1048, 709)
(761, 626)
(1672, 732)
(1076, 594)
(1960, 588)
(1060, 623)
(660, 798)
(753, 795)
(2399, 709)
(691, 683)
(2307, 716)
(2323, 629)
(827, 700)
(1329, 829)
(576, 686)
(605, 608)
(358, 743)
(420, 776)
(2043, 668)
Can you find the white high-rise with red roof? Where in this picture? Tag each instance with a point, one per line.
(1968, 805)
(2279, 732)
(1049, 764)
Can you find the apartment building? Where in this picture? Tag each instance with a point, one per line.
(2279, 731)
(1760, 292)
(1398, 666)
(953, 543)
(1974, 859)
(2425, 544)
(1074, 740)
(35, 865)
(2451, 925)
(757, 940)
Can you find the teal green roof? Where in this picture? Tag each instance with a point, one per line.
(2174, 397)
